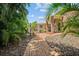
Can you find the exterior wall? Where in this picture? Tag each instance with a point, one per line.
(54, 25)
(63, 18)
(41, 27)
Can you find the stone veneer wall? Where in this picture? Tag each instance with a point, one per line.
(63, 19)
(68, 15)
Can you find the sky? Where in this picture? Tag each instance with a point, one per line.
(37, 12)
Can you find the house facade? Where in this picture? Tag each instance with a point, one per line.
(52, 25)
(49, 26)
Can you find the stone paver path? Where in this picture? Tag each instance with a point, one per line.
(38, 46)
(53, 45)
(43, 35)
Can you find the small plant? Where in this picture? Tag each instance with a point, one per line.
(42, 30)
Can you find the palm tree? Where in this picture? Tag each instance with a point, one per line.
(61, 8)
(72, 25)
(33, 26)
(13, 22)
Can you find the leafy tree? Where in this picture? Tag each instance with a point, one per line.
(33, 26)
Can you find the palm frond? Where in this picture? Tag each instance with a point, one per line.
(72, 25)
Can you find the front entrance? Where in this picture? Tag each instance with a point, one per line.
(49, 28)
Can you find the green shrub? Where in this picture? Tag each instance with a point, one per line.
(42, 30)
(15, 38)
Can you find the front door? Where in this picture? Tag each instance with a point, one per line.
(49, 28)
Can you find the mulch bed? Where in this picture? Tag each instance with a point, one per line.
(17, 49)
